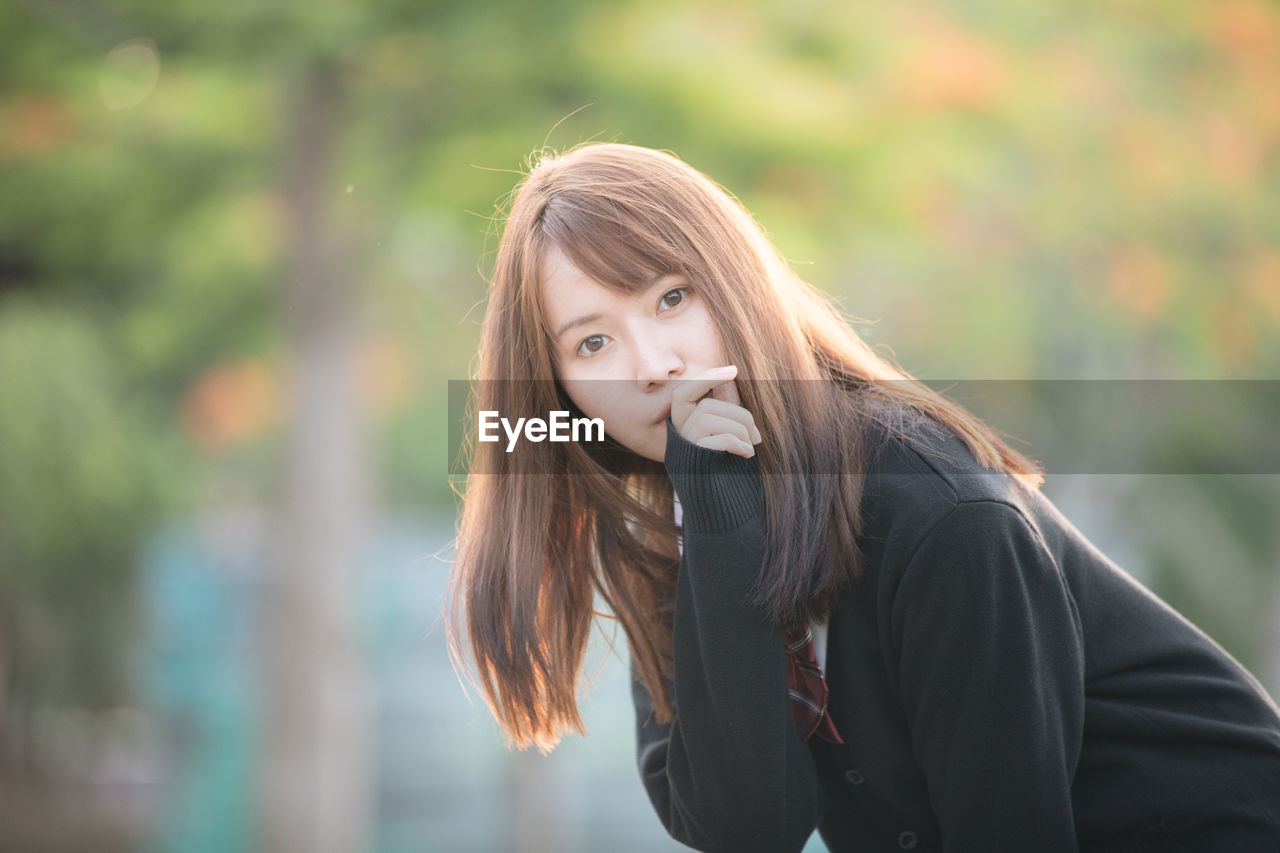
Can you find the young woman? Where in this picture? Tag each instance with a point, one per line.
(847, 604)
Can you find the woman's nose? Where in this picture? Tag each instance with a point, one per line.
(657, 360)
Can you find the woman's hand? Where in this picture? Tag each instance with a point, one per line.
(707, 411)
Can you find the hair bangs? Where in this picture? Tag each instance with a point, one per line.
(609, 242)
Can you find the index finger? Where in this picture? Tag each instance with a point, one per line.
(727, 391)
(718, 381)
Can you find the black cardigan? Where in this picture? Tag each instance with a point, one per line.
(1000, 684)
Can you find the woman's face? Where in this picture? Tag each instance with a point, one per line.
(616, 355)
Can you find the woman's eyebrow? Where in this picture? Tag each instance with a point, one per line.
(580, 321)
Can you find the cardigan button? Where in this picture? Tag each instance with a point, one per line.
(854, 777)
(907, 840)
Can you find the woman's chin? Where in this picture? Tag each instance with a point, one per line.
(656, 450)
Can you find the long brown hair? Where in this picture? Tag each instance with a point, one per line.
(536, 545)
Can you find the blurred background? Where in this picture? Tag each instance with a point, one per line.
(243, 248)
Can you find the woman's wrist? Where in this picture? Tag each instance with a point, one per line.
(718, 490)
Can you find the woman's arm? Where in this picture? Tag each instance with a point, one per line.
(991, 670)
(731, 772)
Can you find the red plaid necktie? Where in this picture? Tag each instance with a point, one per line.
(807, 687)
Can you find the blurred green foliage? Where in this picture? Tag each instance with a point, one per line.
(77, 492)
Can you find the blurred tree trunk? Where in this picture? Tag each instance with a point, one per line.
(317, 782)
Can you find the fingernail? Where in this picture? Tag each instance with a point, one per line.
(755, 431)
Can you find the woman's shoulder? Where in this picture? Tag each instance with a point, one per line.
(929, 502)
(918, 470)
(914, 452)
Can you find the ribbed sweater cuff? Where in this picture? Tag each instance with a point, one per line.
(718, 490)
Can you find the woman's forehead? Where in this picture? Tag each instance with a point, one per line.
(566, 289)
(568, 293)
(561, 272)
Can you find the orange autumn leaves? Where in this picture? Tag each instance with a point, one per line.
(236, 401)
(946, 66)
(1141, 281)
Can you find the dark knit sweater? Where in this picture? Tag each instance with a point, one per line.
(1001, 685)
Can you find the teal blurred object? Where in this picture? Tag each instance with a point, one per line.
(444, 780)
(199, 677)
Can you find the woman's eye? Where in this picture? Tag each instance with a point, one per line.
(593, 344)
(586, 344)
(677, 292)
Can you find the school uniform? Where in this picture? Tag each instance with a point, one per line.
(999, 684)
